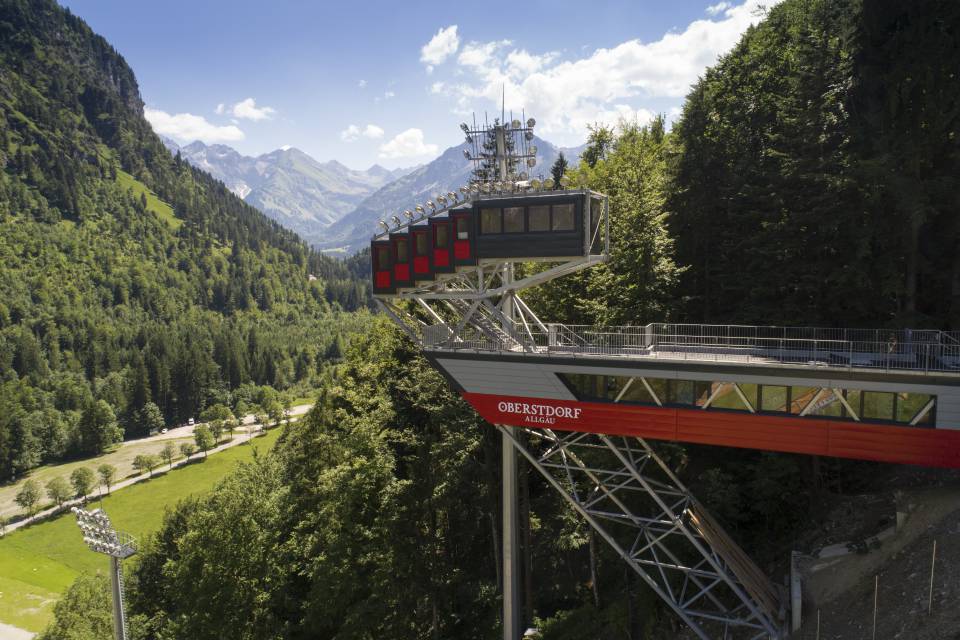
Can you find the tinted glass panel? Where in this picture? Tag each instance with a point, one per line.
(637, 392)
(727, 397)
(659, 386)
(877, 405)
(562, 217)
(441, 236)
(401, 244)
(463, 228)
(750, 392)
(421, 247)
(490, 221)
(513, 220)
(773, 398)
(854, 398)
(800, 397)
(591, 387)
(827, 405)
(539, 218)
(909, 404)
(681, 391)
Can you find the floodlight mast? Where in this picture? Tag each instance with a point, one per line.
(100, 536)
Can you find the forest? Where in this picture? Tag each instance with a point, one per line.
(135, 290)
(811, 179)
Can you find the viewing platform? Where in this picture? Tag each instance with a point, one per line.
(901, 351)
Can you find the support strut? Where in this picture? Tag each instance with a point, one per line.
(632, 499)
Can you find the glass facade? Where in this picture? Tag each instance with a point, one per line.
(421, 245)
(463, 227)
(513, 220)
(871, 406)
(441, 234)
(401, 245)
(540, 218)
(490, 221)
(562, 217)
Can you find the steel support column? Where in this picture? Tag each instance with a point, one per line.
(119, 615)
(511, 549)
(629, 496)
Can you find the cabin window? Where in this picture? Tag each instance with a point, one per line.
(539, 218)
(420, 245)
(383, 257)
(513, 220)
(441, 234)
(562, 217)
(463, 228)
(490, 221)
(402, 250)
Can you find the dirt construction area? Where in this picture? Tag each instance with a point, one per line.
(888, 574)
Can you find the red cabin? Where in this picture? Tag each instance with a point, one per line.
(442, 234)
(422, 248)
(400, 244)
(381, 254)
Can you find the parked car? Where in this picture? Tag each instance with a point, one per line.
(190, 422)
(164, 430)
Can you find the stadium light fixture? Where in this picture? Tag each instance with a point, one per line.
(100, 537)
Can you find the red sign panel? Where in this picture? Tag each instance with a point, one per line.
(790, 434)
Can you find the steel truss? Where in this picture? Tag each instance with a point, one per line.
(632, 499)
(481, 301)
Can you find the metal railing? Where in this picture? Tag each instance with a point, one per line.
(901, 350)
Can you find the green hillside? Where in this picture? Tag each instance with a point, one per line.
(130, 281)
(38, 563)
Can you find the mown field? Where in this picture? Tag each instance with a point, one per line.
(39, 562)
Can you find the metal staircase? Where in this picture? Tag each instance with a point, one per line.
(632, 499)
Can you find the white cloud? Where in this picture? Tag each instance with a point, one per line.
(604, 85)
(362, 84)
(372, 131)
(408, 144)
(716, 9)
(220, 109)
(187, 127)
(441, 46)
(248, 109)
(437, 87)
(353, 132)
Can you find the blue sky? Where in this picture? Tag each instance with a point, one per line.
(388, 82)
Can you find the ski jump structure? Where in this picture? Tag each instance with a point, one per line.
(579, 403)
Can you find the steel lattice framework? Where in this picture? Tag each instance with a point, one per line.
(624, 491)
(632, 499)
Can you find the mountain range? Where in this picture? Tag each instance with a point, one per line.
(333, 207)
(288, 185)
(448, 172)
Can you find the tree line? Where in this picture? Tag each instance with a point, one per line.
(808, 181)
(135, 290)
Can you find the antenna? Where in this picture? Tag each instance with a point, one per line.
(501, 154)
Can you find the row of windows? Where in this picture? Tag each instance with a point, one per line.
(885, 406)
(544, 218)
(421, 242)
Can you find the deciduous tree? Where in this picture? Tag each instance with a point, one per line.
(58, 490)
(82, 480)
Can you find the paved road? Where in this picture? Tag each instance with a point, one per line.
(179, 432)
(9, 632)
